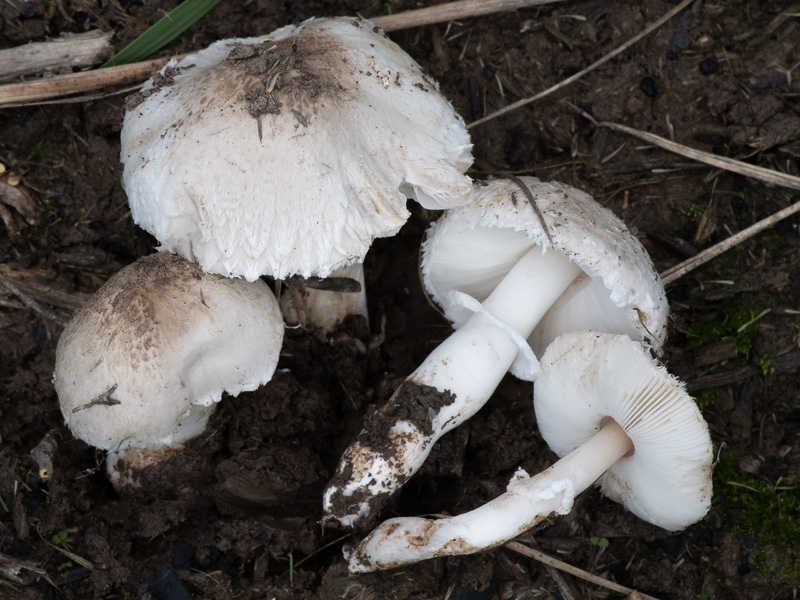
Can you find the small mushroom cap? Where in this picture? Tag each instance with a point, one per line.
(145, 360)
(289, 153)
(589, 377)
(472, 247)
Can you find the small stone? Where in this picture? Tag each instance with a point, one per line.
(648, 86)
(681, 41)
(708, 66)
(671, 54)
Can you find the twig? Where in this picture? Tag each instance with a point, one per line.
(64, 85)
(645, 32)
(728, 164)
(553, 562)
(18, 94)
(452, 11)
(11, 568)
(86, 564)
(70, 50)
(785, 363)
(29, 282)
(706, 255)
(30, 302)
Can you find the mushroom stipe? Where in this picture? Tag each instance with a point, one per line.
(612, 413)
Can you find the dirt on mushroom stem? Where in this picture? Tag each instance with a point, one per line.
(292, 436)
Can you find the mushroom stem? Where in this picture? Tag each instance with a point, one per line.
(463, 372)
(326, 309)
(472, 361)
(528, 501)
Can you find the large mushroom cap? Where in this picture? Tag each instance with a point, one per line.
(145, 360)
(589, 377)
(289, 153)
(471, 248)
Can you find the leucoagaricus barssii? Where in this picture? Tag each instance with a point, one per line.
(288, 154)
(617, 418)
(140, 367)
(505, 281)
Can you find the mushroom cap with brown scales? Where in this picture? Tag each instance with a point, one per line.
(289, 153)
(140, 367)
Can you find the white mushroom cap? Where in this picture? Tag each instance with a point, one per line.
(143, 363)
(590, 377)
(471, 248)
(289, 153)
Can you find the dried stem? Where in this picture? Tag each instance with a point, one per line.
(567, 568)
(644, 33)
(706, 255)
(32, 92)
(30, 302)
(452, 11)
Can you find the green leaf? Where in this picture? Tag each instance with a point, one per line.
(60, 537)
(162, 33)
(600, 542)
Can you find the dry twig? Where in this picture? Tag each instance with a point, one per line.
(32, 283)
(451, 12)
(728, 164)
(644, 33)
(30, 302)
(706, 255)
(553, 562)
(32, 92)
(29, 92)
(71, 50)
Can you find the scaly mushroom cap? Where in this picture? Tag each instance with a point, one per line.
(471, 248)
(146, 359)
(289, 153)
(588, 377)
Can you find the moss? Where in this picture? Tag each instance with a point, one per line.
(706, 398)
(40, 151)
(771, 243)
(768, 512)
(738, 325)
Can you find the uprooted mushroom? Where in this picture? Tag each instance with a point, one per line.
(616, 417)
(505, 278)
(288, 154)
(141, 366)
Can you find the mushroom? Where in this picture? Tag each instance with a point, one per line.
(606, 407)
(290, 153)
(502, 277)
(140, 367)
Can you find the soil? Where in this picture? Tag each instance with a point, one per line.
(236, 514)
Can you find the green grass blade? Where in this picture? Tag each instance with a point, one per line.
(163, 32)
